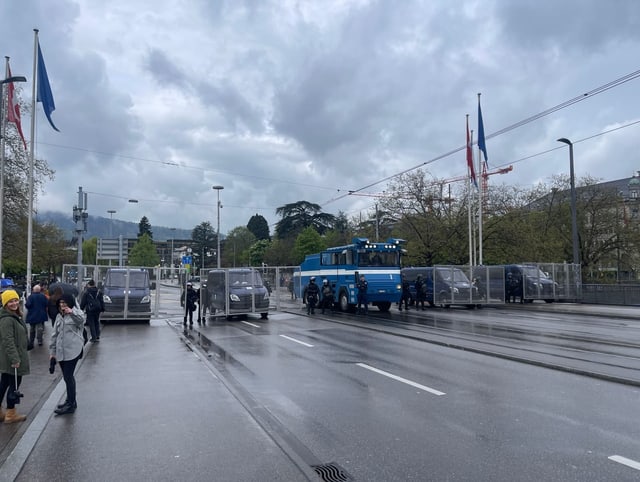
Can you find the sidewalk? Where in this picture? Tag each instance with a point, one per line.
(149, 408)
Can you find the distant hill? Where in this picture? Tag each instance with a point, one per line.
(100, 227)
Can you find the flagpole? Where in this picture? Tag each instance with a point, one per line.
(481, 191)
(3, 133)
(31, 154)
(469, 185)
(472, 203)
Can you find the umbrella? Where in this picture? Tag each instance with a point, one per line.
(66, 288)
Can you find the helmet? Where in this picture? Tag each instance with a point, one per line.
(313, 278)
(326, 282)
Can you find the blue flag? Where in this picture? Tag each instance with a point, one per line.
(481, 142)
(44, 90)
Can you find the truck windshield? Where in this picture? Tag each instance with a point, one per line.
(249, 278)
(388, 259)
(119, 279)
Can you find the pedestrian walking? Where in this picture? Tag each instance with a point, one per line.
(327, 296)
(92, 303)
(192, 298)
(14, 359)
(36, 306)
(311, 295)
(66, 347)
(363, 300)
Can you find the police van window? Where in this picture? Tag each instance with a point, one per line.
(348, 258)
(326, 259)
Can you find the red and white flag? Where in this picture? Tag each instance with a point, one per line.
(13, 109)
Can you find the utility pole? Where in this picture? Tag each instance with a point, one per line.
(80, 216)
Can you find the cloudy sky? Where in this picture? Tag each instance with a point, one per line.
(281, 101)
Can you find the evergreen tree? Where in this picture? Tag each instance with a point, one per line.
(144, 252)
(144, 227)
(259, 227)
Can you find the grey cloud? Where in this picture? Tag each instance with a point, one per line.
(163, 70)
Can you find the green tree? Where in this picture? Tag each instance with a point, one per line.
(307, 242)
(89, 251)
(235, 251)
(144, 227)
(280, 253)
(259, 227)
(300, 215)
(204, 242)
(144, 252)
(257, 252)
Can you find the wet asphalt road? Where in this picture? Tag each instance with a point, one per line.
(384, 401)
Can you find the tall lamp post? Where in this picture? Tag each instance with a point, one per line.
(3, 126)
(111, 213)
(218, 189)
(173, 235)
(574, 222)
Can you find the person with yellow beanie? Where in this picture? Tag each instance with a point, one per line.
(14, 357)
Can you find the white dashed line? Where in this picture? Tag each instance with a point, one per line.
(297, 341)
(403, 380)
(250, 324)
(625, 461)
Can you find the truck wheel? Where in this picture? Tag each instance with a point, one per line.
(384, 306)
(343, 301)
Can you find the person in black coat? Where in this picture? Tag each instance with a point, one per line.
(92, 303)
(192, 297)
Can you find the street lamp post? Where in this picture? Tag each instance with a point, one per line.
(111, 213)
(218, 189)
(574, 222)
(3, 126)
(173, 235)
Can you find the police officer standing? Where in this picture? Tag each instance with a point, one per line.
(327, 296)
(406, 293)
(421, 292)
(363, 286)
(312, 292)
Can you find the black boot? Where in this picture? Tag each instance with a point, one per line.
(66, 402)
(66, 409)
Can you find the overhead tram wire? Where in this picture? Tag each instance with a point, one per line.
(598, 90)
(186, 166)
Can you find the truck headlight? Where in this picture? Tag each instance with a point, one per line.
(234, 297)
(145, 299)
(106, 299)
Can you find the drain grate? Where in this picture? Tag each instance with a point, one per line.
(332, 472)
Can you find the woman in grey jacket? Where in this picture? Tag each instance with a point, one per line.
(66, 347)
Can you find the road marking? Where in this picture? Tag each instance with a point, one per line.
(625, 461)
(250, 324)
(400, 379)
(297, 341)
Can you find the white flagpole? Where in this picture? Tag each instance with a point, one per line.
(3, 133)
(31, 154)
(473, 228)
(470, 188)
(481, 197)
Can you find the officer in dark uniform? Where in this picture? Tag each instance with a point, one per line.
(327, 296)
(312, 292)
(363, 300)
